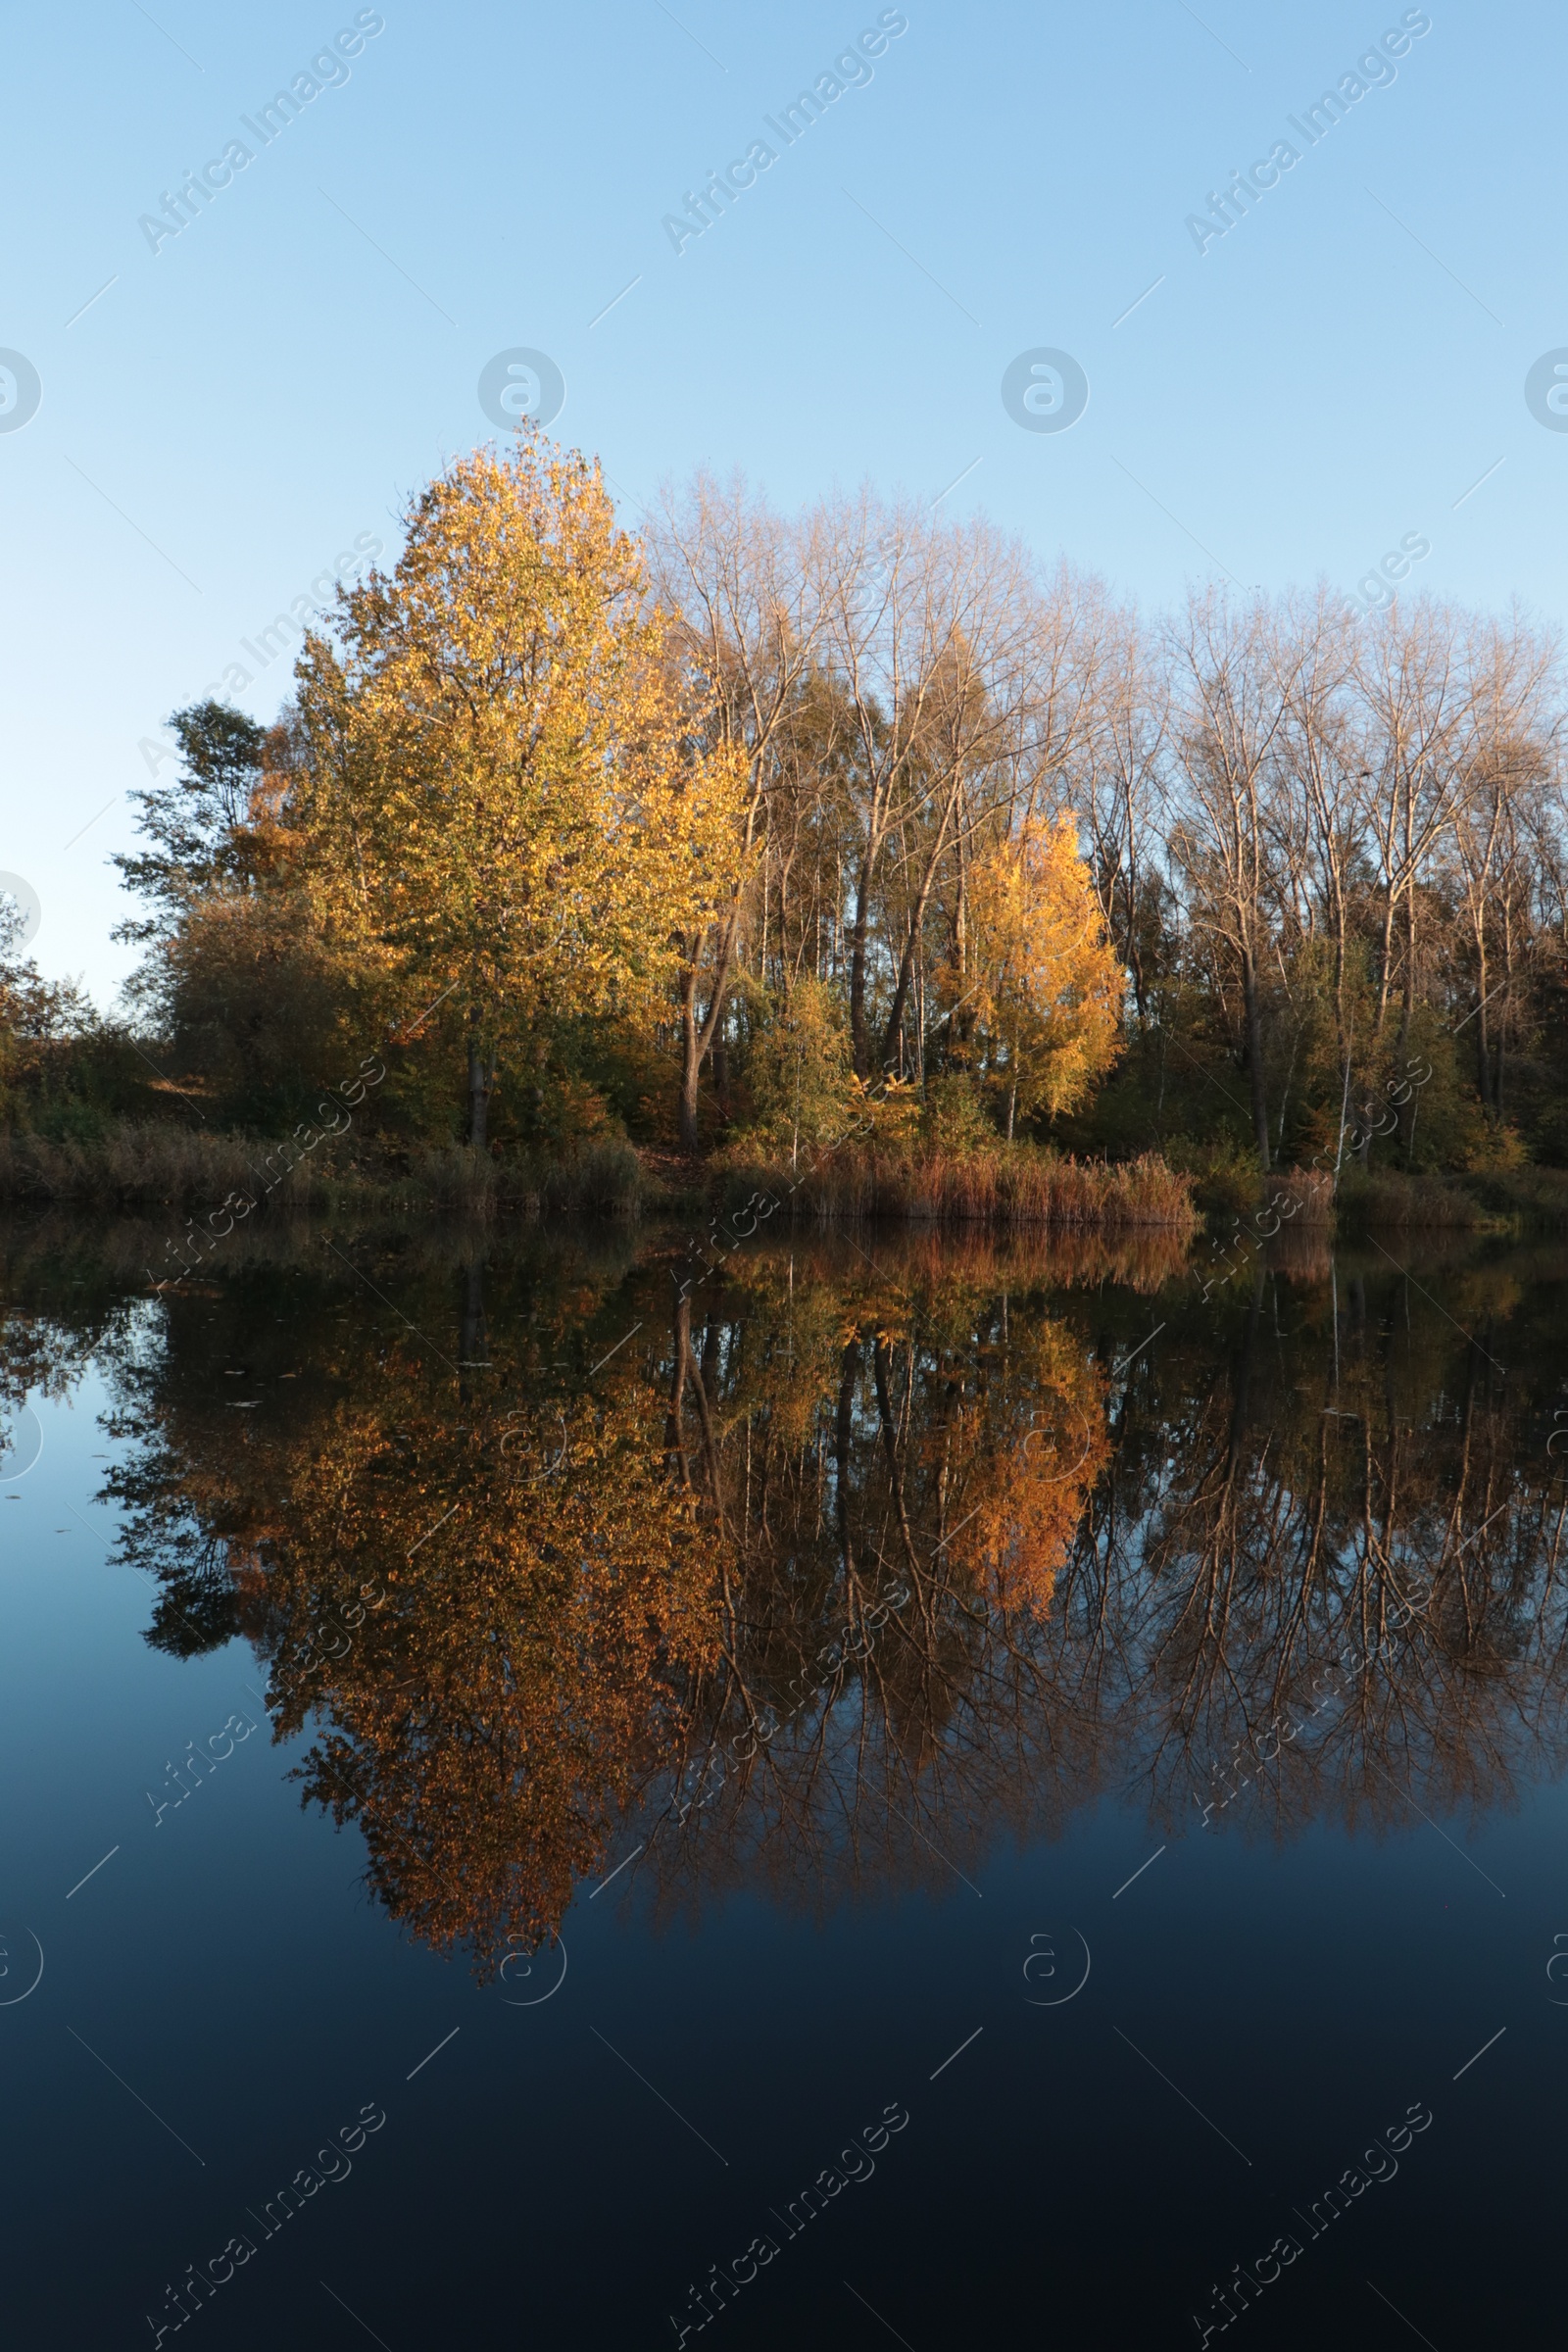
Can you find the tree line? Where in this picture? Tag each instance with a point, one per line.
(730, 821)
(1328, 846)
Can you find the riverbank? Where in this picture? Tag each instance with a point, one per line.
(137, 1165)
(134, 1165)
(1512, 1200)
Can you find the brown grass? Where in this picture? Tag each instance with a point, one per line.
(139, 1164)
(1018, 1187)
(1308, 1197)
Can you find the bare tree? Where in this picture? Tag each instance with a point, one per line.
(743, 586)
(1298, 819)
(1410, 674)
(1322, 778)
(1505, 765)
(1119, 784)
(1229, 667)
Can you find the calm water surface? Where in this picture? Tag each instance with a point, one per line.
(924, 1792)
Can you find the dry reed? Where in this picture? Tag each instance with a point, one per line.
(137, 1164)
(1020, 1187)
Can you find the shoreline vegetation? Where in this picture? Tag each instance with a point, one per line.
(855, 860)
(1015, 1185)
(132, 1166)
(135, 1166)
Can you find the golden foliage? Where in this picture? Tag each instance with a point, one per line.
(1031, 1468)
(501, 800)
(490, 1617)
(1048, 1006)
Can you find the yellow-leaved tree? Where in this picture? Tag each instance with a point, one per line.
(504, 812)
(1047, 1016)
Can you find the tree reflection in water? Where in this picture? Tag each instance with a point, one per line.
(858, 1558)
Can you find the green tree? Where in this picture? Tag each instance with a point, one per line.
(200, 825)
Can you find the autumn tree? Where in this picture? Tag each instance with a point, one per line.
(555, 799)
(1048, 990)
(504, 807)
(1496, 823)
(933, 634)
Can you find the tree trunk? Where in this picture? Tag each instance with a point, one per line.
(1254, 1057)
(1502, 1010)
(860, 1043)
(893, 1038)
(478, 1097)
(1135, 958)
(1341, 1026)
(1345, 1110)
(1386, 965)
(1408, 995)
(691, 1058)
(1484, 1045)
(698, 1037)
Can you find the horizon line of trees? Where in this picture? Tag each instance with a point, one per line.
(762, 813)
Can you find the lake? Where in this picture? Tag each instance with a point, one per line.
(896, 1789)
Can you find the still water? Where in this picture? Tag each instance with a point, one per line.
(921, 1791)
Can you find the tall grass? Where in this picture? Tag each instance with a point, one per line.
(1020, 1186)
(135, 1161)
(603, 1177)
(1302, 1197)
(1390, 1200)
(138, 1164)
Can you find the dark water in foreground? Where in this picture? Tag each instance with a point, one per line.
(928, 1793)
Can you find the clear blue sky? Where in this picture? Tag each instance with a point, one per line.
(1332, 373)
